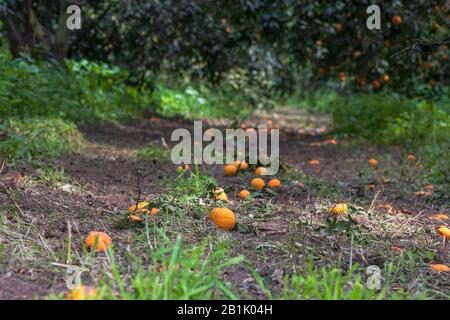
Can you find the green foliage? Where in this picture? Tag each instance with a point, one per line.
(390, 119)
(82, 92)
(176, 272)
(38, 138)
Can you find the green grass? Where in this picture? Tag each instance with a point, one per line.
(155, 153)
(38, 138)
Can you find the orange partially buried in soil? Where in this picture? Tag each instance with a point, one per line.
(102, 239)
(444, 232)
(314, 162)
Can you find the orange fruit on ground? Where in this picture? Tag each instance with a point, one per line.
(339, 209)
(411, 157)
(223, 218)
(439, 216)
(258, 183)
(338, 27)
(243, 166)
(102, 239)
(141, 205)
(230, 170)
(318, 43)
(81, 293)
(274, 184)
(184, 167)
(244, 194)
(439, 268)
(385, 77)
(396, 20)
(376, 84)
(236, 163)
(134, 217)
(154, 211)
(222, 196)
(371, 186)
(444, 232)
(260, 171)
(314, 162)
(373, 162)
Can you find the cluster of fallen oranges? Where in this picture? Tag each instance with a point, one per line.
(224, 218)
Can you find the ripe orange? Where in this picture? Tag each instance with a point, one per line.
(439, 268)
(222, 196)
(103, 240)
(411, 157)
(154, 211)
(140, 206)
(376, 84)
(183, 167)
(236, 163)
(223, 218)
(274, 184)
(373, 162)
(396, 20)
(260, 171)
(81, 293)
(371, 186)
(314, 162)
(339, 209)
(258, 183)
(386, 77)
(243, 166)
(230, 170)
(444, 232)
(244, 194)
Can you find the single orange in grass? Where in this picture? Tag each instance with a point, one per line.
(260, 171)
(82, 293)
(102, 239)
(397, 20)
(230, 170)
(439, 268)
(385, 77)
(314, 162)
(244, 194)
(274, 184)
(243, 166)
(223, 218)
(411, 157)
(444, 232)
(339, 209)
(258, 183)
(373, 162)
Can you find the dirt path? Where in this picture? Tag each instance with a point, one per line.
(102, 182)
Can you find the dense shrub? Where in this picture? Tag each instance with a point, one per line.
(38, 138)
(81, 92)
